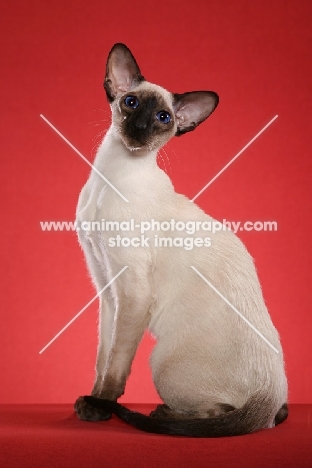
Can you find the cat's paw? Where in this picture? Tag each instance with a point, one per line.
(161, 412)
(86, 412)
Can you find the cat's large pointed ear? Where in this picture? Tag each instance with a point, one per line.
(193, 108)
(122, 71)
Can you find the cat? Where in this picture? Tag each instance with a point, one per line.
(215, 375)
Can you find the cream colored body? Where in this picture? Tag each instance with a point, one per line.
(205, 353)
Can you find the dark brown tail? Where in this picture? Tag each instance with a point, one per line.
(254, 415)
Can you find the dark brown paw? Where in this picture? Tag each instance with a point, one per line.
(161, 412)
(282, 414)
(164, 412)
(86, 412)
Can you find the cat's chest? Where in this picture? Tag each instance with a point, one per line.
(102, 213)
(95, 204)
(94, 208)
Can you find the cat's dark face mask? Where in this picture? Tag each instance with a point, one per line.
(146, 120)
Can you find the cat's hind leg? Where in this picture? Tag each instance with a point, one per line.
(281, 415)
(164, 412)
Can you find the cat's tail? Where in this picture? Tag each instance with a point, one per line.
(254, 415)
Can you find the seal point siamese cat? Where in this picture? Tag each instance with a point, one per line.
(215, 375)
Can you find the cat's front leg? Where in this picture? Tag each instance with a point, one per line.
(130, 319)
(106, 320)
(86, 412)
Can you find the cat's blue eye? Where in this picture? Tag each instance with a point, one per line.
(163, 117)
(132, 102)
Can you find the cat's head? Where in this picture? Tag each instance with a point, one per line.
(145, 115)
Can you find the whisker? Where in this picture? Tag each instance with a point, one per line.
(100, 134)
(95, 123)
(162, 160)
(168, 160)
(104, 111)
(159, 155)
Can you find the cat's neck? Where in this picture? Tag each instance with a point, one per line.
(135, 174)
(114, 156)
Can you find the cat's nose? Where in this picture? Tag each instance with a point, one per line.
(139, 126)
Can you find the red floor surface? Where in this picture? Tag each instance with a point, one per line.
(51, 436)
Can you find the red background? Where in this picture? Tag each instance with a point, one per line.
(256, 55)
